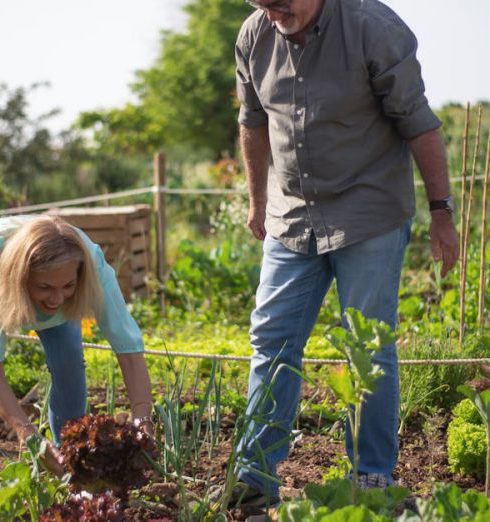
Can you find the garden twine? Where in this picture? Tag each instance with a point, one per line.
(245, 358)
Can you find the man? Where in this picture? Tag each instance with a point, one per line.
(332, 105)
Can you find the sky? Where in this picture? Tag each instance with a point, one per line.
(89, 50)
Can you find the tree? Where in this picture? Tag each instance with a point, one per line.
(187, 96)
(25, 144)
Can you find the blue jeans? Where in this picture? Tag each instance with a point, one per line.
(291, 291)
(64, 358)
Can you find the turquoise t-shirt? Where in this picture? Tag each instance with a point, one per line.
(115, 322)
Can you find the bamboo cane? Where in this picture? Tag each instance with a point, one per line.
(472, 186)
(483, 243)
(462, 227)
(468, 210)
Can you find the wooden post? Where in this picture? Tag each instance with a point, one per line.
(160, 220)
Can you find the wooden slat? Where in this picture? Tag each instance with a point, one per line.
(138, 279)
(142, 291)
(139, 243)
(139, 226)
(140, 260)
(87, 223)
(109, 237)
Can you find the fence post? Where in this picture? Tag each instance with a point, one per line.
(160, 220)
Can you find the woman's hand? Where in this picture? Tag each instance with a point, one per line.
(145, 424)
(48, 454)
(52, 459)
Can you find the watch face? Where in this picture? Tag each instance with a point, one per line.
(450, 204)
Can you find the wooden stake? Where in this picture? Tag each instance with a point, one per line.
(160, 221)
(468, 212)
(483, 243)
(462, 280)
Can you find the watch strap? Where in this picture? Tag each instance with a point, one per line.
(442, 204)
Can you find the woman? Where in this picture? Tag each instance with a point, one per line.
(51, 275)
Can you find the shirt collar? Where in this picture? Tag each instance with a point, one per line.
(325, 16)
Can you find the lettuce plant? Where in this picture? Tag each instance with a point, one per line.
(102, 454)
(482, 402)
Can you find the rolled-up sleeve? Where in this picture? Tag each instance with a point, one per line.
(115, 322)
(396, 78)
(251, 112)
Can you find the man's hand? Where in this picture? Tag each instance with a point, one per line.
(256, 221)
(444, 240)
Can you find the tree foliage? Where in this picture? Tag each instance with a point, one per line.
(37, 166)
(187, 96)
(25, 150)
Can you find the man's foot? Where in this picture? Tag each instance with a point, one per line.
(246, 498)
(372, 480)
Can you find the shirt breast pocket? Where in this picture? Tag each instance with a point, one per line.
(340, 96)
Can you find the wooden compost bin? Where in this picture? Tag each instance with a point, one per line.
(123, 233)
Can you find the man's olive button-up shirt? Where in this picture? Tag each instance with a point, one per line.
(340, 111)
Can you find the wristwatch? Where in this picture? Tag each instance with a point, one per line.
(442, 204)
(139, 421)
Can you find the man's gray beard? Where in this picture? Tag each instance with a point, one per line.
(285, 30)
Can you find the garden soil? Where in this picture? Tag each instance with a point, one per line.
(422, 462)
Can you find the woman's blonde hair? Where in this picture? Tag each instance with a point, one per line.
(42, 244)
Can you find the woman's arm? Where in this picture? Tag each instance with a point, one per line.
(137, 381)
(11, 411)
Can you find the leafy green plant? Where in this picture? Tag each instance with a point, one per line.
(467, 412)
(24, 365)
(335, 501)
(25, 488)
(101, 452)
(217, 284)
(363, 338)
(466, 446)
(482, 402)
(21, 493)
(99, 507)
(418, 384)
(449, 504)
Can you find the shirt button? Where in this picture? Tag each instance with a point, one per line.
(312, 203)
(307, 230)
(300, 145)
(299, 111)
(300, 79)
(305, 174)
(296, 46)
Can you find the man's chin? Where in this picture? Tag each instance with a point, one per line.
(287, 30)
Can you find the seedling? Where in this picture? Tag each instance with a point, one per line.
(352, 383)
